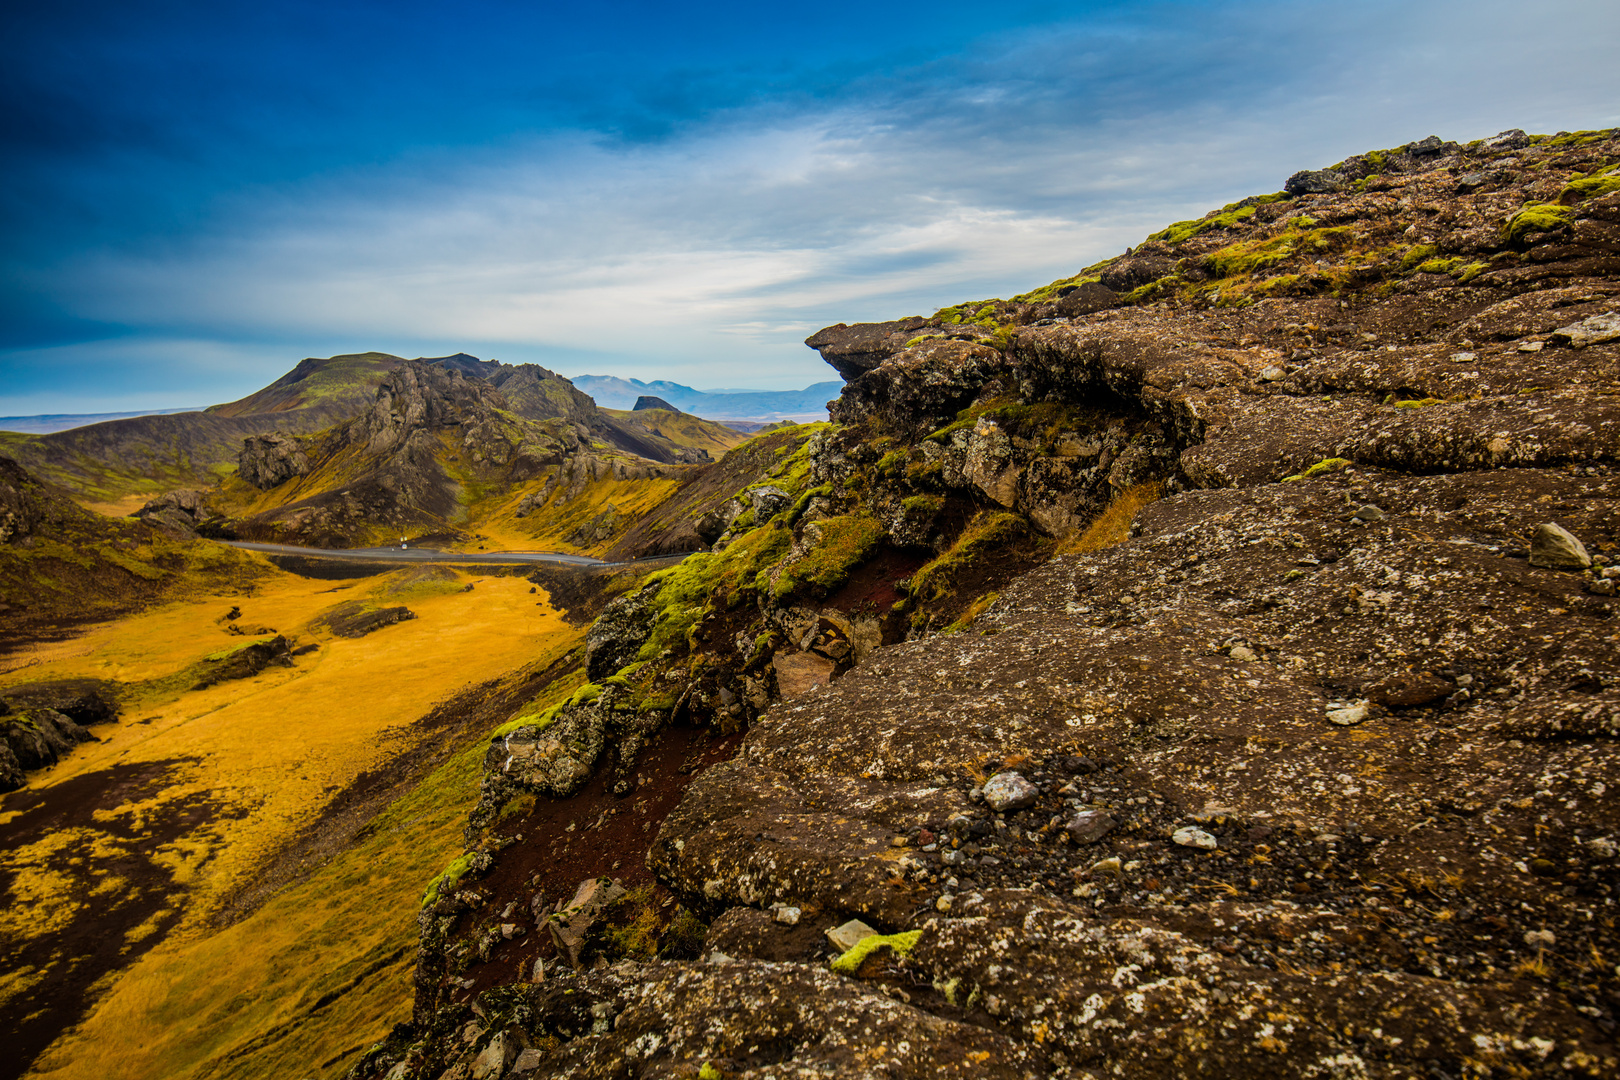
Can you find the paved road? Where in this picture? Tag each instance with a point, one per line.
(423, 555)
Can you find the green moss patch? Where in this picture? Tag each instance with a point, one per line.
(1227, 217)
(447, 879)
(1588, 187)
(543, 718)
(845, 543)
(901, 943)
(1536, 217)
(1321, 468)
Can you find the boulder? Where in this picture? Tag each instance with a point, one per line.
(1009, 791)
(799, 673)
(1314, 182)
(572, 925)
(1130, 271)
(768, 501)
(268, 461)
(617, 635)
(1556, 548)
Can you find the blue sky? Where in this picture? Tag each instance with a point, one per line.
(196, 195)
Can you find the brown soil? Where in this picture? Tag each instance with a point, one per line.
(97, 939)
(559, 844)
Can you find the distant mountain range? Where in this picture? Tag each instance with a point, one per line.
(46, 423)
(612, 392)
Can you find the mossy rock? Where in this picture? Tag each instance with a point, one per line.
(1537, 217)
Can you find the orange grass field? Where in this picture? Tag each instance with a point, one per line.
(268, 753)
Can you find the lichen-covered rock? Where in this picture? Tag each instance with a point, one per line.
(765, 1019)
(853, 350)
(268, 461)
(1319, 756)
(554, 761)
(1009, 791)
(618, 633)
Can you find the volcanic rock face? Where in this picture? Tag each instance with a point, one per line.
(267, 461)
(855, 350)
(395, 444)
(1311, 775)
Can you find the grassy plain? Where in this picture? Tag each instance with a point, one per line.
(326, 961)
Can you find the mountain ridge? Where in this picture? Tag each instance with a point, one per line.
(618, 393)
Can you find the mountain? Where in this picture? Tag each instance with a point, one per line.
(119, 458)
(612, 392)
(452, 445)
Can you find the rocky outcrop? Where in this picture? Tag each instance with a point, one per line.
(243, 661)
(40, 723)
(268, 461)
(1302, 772)
(618, 633)
(355, 620)
(182, 512)
(855, 350)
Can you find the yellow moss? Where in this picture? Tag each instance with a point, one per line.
(1113, 525)
(273, 751)
(984, 535)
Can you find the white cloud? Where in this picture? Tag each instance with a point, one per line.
(706, 258)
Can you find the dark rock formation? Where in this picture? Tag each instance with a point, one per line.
(22, 509)
(183, 512)
(40, 723)
(354, 620)
(616, 636)
(268, 461)
(646, 401)
(244, 662)
(855, 350)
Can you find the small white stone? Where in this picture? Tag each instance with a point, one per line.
(845, 938)
(1241, 653)
(1009, 791)
(788, 916)
(1349, 715)
(1188, 836)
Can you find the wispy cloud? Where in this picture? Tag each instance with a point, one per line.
(706, 253)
